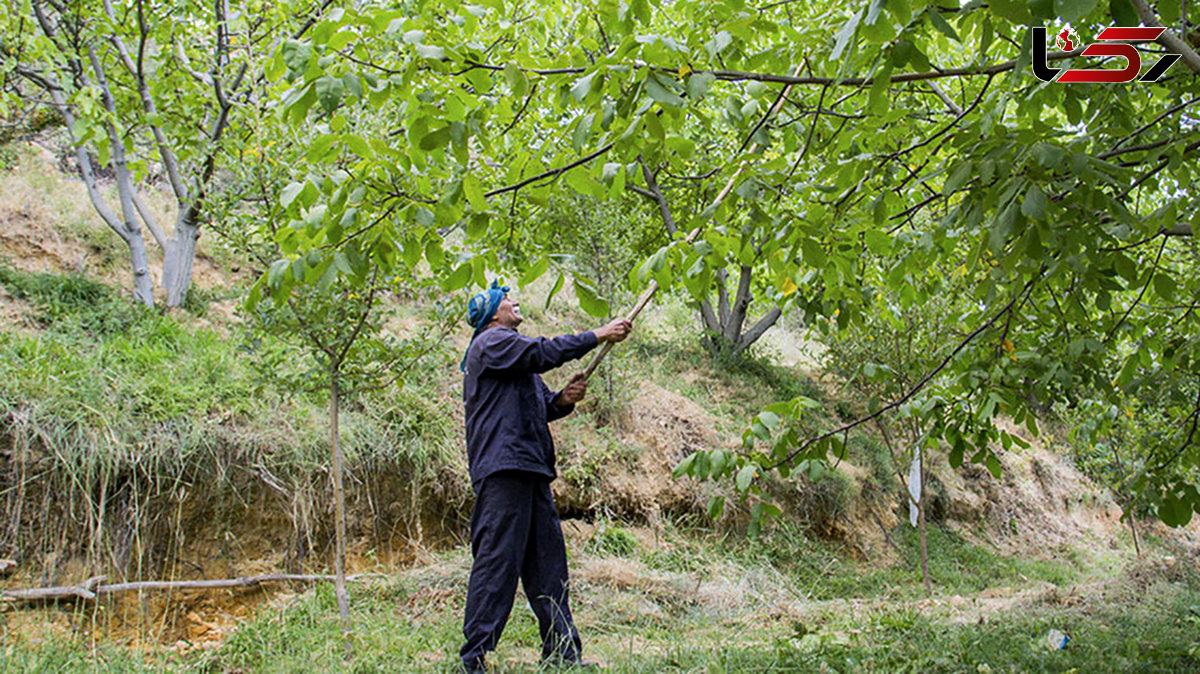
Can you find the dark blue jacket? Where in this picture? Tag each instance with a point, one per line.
(508, 405)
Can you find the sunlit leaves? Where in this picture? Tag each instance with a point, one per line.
(878, 188)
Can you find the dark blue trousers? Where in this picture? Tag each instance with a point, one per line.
(515, 533)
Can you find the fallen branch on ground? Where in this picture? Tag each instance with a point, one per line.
(93, 587)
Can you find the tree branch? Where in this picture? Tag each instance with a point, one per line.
(139, 75)
(741, 302)
(1168, 38)
(86, 170)
(1147, 125)
(664, 209)
(741, 75)
(1195, 416)
(1138, 300)
(918, 386)
(92, 588)
(954, 107)
(1137, 148)
(147, 216)
(552, 173)
(751, 336)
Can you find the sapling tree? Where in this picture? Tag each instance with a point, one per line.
(882, 358)
(340, 324)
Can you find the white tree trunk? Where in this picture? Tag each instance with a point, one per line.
(179, 255)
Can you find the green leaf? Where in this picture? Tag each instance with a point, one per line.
(534, 273)
(878, 242)
(329, 92)
(435, 139)
(698, 84)
(874, 10)
(474, 192)
(756, 516)
(660, 93)
(957, 178)
(289, 194)
(431, 52)
(296, 55)
(558, 285)
(1164, 285)
(718, 461)
(684, 147)
(848, 31)
(434, 253)
(276, 272)
(685, 466)
(589, 301)
(993, 465)
(1017, 11)
(460, 277)
(318, 149)
(517, 81)
(935, 17)
(581, 182)
(1074, 10)
(1169, 12)
(358, 145)
(328, 277)
(352, 85)
(1034, 206)
(582, 86)
(745, 476)
(1123, 13)
(718, 43)
(716, 506)
(878, 100)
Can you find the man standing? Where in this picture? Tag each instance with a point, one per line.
(515, 532)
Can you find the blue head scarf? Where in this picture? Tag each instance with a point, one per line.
(480, 311)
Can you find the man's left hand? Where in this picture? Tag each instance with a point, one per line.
(573, 392)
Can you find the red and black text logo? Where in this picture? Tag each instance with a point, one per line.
(1113, 42)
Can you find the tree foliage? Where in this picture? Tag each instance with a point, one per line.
(913, 156)
(914, 137)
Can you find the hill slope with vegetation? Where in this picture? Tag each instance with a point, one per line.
(146, 445)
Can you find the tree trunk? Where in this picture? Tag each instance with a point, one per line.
(741, 303)
(178, 257)
(757, 330)
(143, 289)
(1137, 543)
(339, 500)
(921, 531)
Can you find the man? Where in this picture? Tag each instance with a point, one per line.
(515, 532)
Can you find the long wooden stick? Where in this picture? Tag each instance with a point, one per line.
(93, 587)
(691, 237)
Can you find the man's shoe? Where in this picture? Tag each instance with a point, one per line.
(477, 668)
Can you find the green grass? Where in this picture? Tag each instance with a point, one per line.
(823, 570)
(411, 623)
(746, 383)
(115, 407)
